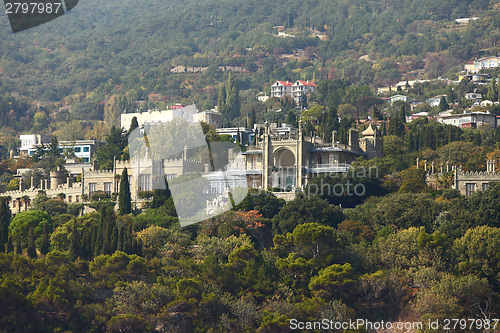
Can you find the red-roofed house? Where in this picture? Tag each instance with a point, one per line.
(300, 88)
(281, 88)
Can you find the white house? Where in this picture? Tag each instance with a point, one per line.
(300, 88)
(281, 88)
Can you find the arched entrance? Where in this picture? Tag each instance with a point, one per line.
(284, 170)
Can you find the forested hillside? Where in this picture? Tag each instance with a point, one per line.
(103, 44)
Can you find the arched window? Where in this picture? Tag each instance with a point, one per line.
(254, 162)
(320, 159)
(330, 159)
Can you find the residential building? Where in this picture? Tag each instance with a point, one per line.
(300, 88)
(281, 88)
(30, 141)
(401, 98)
(155, 116)
(469, 119)
(246, 135)
(473, 96)
(482, 63)
(211, 117)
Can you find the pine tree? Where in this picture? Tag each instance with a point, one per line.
(74, 247)
(44, 248)
(5, 216)
(125, 200)
(19, 246)
(31, 245)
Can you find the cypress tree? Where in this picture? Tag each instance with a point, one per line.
(233, 104)
(114, 239)
(19, 246)
(5, 216)
(402, 114)
(252, 119)
(31, 245)
(443, 105)
(125, 200)
(384, 129)
(119, 245)
(74, 247)
(9, 246)
(133, 125)
(160, 196)
(44, 248)
(221, 103)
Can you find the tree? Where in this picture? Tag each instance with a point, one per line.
(19, 246)
(116, 142)
(306, 210)
(125, 200)
(133, 125)
(5, 216)
(221, 103)
(74, 247)
(252, 119)
(303, 101)
(160, 196)
(232, 97)
(402, 114)
(443, 104)
(492, 94)
(24, 221)
(31, 245)
(44, 248)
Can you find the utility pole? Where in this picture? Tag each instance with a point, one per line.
(216, 33)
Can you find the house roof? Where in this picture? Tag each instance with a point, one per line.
(285, 83)
(306, 83)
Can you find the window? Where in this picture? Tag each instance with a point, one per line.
(70, 198)
(86, 160)
(254, 183)
(470, 188)
(330, 159)
(92, 188)
(77, 198)
(86, 149)
(78, 149)
(486, 186)
(108, 188)
(144, 182)
(320, 159)
(254, 162)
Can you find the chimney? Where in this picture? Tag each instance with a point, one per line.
(354, 139)
(22, 185)
(94, 165)
(69, 182)
(207, 168)
(184, 156)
